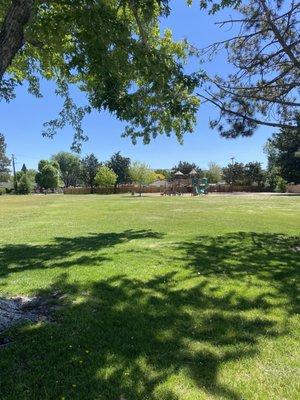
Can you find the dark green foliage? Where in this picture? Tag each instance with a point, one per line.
(244, 174)
(4, 160)
(24, 168)
(186, 167)
(280, 185)
(234, 174)
(254, 174)
(26, 181)
(25, 184)
(263, 87)
(120, 166)
(69, 168)
(89, 168)
(48, 175)
(281, 149)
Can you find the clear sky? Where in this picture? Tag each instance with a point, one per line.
(21, 120)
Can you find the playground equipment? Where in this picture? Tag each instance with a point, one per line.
(200, 186)
(182, 184)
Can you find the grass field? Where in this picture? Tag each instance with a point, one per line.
(160, 298)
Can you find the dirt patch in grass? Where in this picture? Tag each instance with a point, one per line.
(22, 309)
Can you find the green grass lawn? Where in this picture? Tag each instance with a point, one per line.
(159, 298)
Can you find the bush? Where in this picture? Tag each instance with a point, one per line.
(2, 191)
(105, 177)
(281, 185)
(25, 185)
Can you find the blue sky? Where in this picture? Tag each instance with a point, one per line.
(22, 119)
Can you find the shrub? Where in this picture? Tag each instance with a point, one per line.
(281, 185)
(2, 191)
(105, 177)
(25, 185)
(48, 175)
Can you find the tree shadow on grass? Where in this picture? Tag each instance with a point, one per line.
(257, 258)
(122, 338)
(66, 252)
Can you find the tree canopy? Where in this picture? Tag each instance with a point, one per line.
(186, 167)
(105, 177)
(214, 173)
(112, 50)
(281, 149)
(234, 173)
(69, 167)
(120, 165)
(89, 168)
(263, 88)
(141, 174)
(25, 184)
(117, 68)
(48, 174)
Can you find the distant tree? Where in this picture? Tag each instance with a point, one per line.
(120, 166)
(163, 172)
(186, 167)
(214, 172)
(89, 168)
(31, 173)
(280, 150)
(159, 176)
(48, 174)
(141, 174)
(69, 168)
(25, 184)
(24, 168)
(4, 160)
(28, 181)
(234, 174)
(271, 178)
(280, 185)
(105, 177)
(253, 173)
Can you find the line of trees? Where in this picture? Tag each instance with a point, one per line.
(68, 170)
(65, 169)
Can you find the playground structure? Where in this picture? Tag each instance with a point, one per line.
(182, 184)
(200, 186)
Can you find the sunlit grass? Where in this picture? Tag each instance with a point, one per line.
(159, 298)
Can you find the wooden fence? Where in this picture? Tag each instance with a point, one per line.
(161, 189)
(112, 190)
(293, 188)
(230, 188)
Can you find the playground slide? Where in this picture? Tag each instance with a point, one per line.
(200, 190)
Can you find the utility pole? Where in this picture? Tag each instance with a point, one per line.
(14, 171)
(231, 178)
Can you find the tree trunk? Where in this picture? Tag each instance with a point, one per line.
(12, 31)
